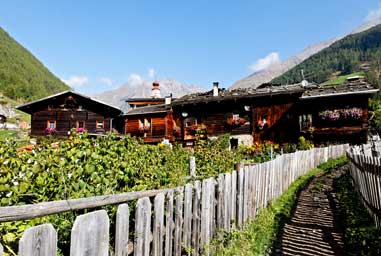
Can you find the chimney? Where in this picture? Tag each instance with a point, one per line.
(168, 99)
(215, 89)
(155, 90)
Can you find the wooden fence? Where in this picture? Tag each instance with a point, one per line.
(365, 169)
(179, 221)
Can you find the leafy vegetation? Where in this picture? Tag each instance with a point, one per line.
(22, 76)
(82, 167)
(344, 57)
(361, 235)
(258, 236)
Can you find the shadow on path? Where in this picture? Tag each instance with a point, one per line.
(314, 227)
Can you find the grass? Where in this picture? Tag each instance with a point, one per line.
(361, 235)
(341, 79)
(259, 235)
(7, 134)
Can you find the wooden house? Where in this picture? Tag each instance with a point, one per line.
(59, 113)
(153, 124)
(270, 113)
(246, 114)
(150, 118)
(336, 113)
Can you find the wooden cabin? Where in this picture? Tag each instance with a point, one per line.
(248, 115)
(59, 113)
(336, 113)
(153, 124)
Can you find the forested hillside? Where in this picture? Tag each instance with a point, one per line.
(23, 76)
(353, 53)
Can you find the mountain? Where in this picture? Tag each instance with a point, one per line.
(23, 76)
(117, 96)
(353, 53)
(265, 76)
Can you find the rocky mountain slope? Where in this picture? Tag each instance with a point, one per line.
(265, 76)
(117, 96)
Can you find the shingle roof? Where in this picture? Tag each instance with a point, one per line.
(357, 86)
(153, 109)
(239, 94)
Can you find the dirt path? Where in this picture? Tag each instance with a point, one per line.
(314, 228)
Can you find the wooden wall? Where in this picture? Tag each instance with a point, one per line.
(161, 127)
(341, 131)
(65, 120)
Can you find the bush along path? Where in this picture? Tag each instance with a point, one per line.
(328, 219)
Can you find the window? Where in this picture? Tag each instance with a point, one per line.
(99, 124)
(51, 124)
(235, 117)
(305, 122)
(80, 124)
(145, 124)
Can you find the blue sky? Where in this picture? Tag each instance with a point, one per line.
(100, 45)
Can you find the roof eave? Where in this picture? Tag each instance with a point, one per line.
(339, 94)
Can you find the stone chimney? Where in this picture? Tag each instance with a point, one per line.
(215, 89)
(155, 90)
(168, 99)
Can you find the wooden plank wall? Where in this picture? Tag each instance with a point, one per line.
(365, 170)
(183, 220)
(65, 120)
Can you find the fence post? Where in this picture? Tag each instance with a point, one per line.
(122, 229)
(90, 234)
(142, 227)
(158, 225)
(40, 240)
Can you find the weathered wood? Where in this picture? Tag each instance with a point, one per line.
(187, 232)
(2, 250)
(158, 225)
(220, 201)
(179, 198)
(169, 224)
(25, 212)
(246, 195)
(206, 210)
(233, 202)
(227, 200)
(365, 171)
(40, 240)
(240, 206)
(196, 218)
(122, 229)
(142, 227)
(90, 234)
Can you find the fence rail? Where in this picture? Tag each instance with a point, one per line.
(365, 169)
(179, 221)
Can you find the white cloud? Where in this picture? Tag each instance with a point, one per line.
(266, 62)
(76, 81)
(151, 72)
(374, 15)
(135, 80)
(106, 81)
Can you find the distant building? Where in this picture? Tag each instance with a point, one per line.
(59, 113)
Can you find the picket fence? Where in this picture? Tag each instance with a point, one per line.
(365, 169)
(178, 221)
